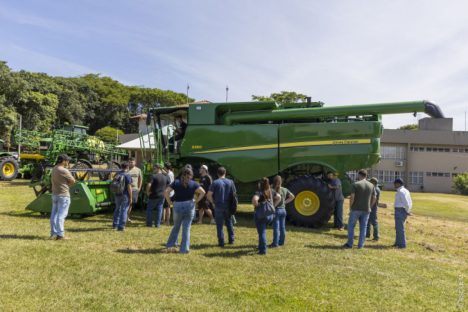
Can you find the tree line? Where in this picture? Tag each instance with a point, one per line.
(46, 102)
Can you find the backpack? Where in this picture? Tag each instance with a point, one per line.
(265, 209)
(117, 185)
(233, 200)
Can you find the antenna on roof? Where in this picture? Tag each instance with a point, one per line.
(227, 92)
(188, 88)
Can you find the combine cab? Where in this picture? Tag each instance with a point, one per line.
(299, 141)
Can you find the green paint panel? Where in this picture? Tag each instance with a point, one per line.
(86, 198)
(204, 143)
(339, 146)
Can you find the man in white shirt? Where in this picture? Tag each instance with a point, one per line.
(403, 204)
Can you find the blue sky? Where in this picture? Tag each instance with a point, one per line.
(339, 52)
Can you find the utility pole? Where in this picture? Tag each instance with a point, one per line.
(227, 92)
(465, 121)
(20, 127)
(188, 88)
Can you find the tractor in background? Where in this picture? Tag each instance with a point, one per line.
(94, 163)
(9, 165)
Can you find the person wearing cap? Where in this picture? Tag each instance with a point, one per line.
(124, 200)
(360, 202)
(61, 182)
(403, 205)
(155, 191)
(204, 204)
(373, 214)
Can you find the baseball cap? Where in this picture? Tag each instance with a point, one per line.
(374, 180)
(399, 181)
(204, 167)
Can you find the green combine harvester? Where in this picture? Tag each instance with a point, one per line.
(299, 141)
(93, 165)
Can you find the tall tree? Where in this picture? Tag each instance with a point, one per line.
(409, 127)
(282, 98)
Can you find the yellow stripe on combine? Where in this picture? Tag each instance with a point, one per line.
(287, 145)
(329, 142)
(32, 156)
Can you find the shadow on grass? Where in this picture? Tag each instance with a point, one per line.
(25, 237)
(96, 229)
(340, 247)
(23, 214)
(15, 183)
(140, 251)
(233, 252)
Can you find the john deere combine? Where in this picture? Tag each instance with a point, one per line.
(93, 165)
(299, 141)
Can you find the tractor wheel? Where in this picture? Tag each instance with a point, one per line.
(8, 168)
(314, 202)
(104, 176)
(82, 164)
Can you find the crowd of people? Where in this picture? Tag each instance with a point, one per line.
(217, 200)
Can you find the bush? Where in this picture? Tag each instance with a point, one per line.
(460, 183)
(109, 134)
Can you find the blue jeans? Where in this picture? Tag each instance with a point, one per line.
(354, 216)
(222, 217)
(60, 205)
(154, 204)
(261, 225)
(120, 212)
(183, 215)
(375, 224)
(400, 219)
(338, 214)
(279, 227)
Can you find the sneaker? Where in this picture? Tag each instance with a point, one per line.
(53, 237)
(346, 246)
(272, 246)
(169, 250)
(129, 220)
(61, 238)
(341, 229)
(375, 239)
(213, 221)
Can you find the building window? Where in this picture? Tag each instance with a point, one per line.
(416, 177)
(438, 174)
(393, 152)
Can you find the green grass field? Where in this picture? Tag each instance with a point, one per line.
(100, 269)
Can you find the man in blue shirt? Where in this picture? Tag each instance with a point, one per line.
(123, 201)
(219, 195)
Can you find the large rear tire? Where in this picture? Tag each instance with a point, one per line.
(82, 164)
(110, 165)
(8, 169)
(314, 202)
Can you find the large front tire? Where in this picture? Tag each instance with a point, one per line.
(314, 202)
